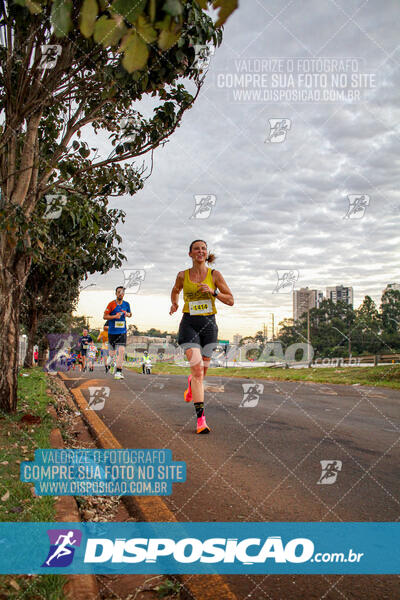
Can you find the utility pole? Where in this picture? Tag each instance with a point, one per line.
(273, 326)
(308, 336)
(349, 346)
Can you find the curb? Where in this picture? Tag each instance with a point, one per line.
(149, 508)
(77, 587)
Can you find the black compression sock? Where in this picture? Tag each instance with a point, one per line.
(199, 408)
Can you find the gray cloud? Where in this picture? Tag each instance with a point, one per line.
(281, 205)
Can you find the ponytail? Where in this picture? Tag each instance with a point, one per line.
(211, 258)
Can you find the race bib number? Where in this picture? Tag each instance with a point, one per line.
(120, 324)
(201, 307)
(85, 346)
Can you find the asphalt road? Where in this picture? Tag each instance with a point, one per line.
(261, 461)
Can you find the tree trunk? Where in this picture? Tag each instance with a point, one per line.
(43, 346)
(12, 284)
(33, 325)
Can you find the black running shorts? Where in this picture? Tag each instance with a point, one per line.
(198, 331)
(116, 339)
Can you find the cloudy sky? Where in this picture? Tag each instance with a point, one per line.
(280, 191)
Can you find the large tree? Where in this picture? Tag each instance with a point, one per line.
(70, 71)
(81, 241)
(390, 315)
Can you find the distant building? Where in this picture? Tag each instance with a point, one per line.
(392, 286)
(340, 293)
(236, 339)
(305, 299)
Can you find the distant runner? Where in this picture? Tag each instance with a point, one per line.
(71, 360)
(198, 331)
(116, 313)
(91, 354)
(84, 342)
(146, 362)
(103, 338)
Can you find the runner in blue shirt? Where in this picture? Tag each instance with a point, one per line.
(84, 341)
(116, 313)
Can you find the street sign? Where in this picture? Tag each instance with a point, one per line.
(223, 342)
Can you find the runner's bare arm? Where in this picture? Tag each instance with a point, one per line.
(176, 290)
(225, 294)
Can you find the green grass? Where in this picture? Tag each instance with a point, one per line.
(18, 441)
(383, 376)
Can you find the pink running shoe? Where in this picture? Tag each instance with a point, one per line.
(187, 394)
(202, 426)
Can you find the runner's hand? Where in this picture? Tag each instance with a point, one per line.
(118, 315)
(174, 308)
(203, 287)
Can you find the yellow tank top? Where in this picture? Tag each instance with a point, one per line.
(196, 301)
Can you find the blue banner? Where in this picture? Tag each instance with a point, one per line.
(224, 548)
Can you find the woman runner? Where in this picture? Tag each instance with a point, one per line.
(198, 331)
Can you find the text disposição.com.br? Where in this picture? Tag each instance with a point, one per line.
(337, 557)
(213, 550)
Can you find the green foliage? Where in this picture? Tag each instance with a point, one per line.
(168, 588)
(107, 22)
(61, 17)
(336, 327)
(88, 17)
(82, 241)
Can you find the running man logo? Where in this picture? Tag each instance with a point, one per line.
(202, 56)
(278, 129)
(203, 205)
(50, 54)
(286, 281)
(55, 203)
(358, 204)
(60, 345)
(251, 394)
(62, 547)
(130, 128)
(133, 279)
(98, 397)
(330, 470)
